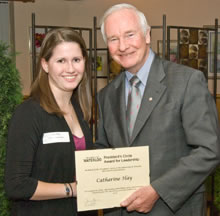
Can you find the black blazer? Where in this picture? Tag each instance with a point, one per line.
(29, 160)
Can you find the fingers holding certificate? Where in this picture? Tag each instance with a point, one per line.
(107, 177)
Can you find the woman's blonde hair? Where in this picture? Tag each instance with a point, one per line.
(41, 90)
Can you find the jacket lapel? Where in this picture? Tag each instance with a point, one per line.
(118, 105)
(152, 94)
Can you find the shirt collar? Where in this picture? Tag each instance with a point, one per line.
(143, 73)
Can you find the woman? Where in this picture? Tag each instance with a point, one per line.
(46, 129)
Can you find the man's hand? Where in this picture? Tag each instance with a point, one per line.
(142, 200)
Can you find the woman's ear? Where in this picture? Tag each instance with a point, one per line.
(44, 65)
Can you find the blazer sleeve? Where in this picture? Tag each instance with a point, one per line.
(23, 139)
(202, 134)
(102, 141)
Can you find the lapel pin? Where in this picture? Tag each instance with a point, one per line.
(150, 98)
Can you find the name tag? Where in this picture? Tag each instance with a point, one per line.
(56, 137)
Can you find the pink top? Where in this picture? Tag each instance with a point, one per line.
(80, 143)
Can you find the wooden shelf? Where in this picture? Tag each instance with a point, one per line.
(22, 0)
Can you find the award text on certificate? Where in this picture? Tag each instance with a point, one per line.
(106, 177)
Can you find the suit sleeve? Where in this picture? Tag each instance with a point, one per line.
(102, 141)
(202, 134)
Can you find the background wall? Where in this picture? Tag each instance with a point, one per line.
(80, 14)
(4, 21)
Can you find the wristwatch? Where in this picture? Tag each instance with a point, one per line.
(67, 190)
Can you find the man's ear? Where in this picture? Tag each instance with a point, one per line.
(147, 37)
(44, 65)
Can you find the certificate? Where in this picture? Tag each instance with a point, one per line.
(106, 177)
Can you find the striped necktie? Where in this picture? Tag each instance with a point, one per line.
(134, 101)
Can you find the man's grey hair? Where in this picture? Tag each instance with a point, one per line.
(117, 7)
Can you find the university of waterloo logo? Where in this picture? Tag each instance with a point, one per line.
(93, 159)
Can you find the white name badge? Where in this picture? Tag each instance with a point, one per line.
(56, 137)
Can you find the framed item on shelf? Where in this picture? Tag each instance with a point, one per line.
(101, 61)
(39, 36)
(210, 51)
(173, 49)
(115, 69)
(193, 49)
(211, 47)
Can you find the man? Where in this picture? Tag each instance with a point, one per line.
(177, 119)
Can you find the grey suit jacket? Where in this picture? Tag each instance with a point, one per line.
(178, 121)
